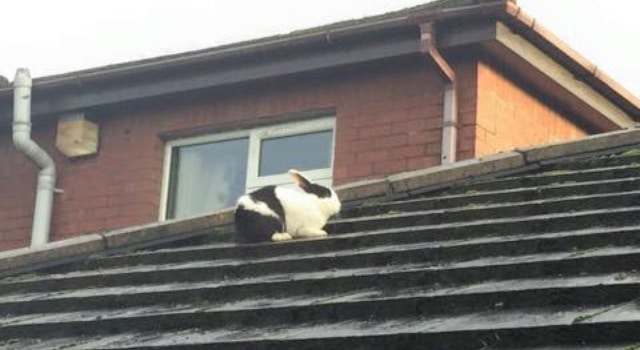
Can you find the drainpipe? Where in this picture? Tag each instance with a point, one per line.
(23, 142)
(450, 110)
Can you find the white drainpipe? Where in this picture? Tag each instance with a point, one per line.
(450, 110)
(449, 125)
(23, 142)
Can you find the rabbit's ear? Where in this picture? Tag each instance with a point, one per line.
(299, 179)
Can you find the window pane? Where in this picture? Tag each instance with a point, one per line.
(207, 177)
(302, 152)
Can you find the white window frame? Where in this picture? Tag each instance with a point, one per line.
(290, 129)
(255, 136)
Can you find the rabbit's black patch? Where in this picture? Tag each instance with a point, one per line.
(254, 223)
(267, 195)
(251, 227)
(320, 191)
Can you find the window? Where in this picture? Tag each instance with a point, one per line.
(208, 173)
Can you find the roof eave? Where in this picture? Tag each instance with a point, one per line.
(528, 27)
(298, 38)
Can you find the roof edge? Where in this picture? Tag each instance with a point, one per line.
(566, 53)
(387, 21)
(519, 160)
(390, 187)
(79, 248)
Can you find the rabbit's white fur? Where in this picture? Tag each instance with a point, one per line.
(257, 206)
(305, 213)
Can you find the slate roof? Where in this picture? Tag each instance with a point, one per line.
(545, 258)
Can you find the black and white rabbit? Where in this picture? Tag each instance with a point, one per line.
(276, 213)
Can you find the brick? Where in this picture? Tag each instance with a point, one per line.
(340, 174)
(16, 233)
(344, 132)
(374, 156)
(9, 245)
(390, 141)
(360, 170)
(369, 119)
(368, 132)
(341, 158)
(390, 167)
(408, 126)
(106, 212)
(508, 116)
(375, 106)
(422, 162)
(434, 149)
(407, 152)
(423, 137)
(463, 155)
(433, 123)
(362, 145)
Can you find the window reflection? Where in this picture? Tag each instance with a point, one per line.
(208, 177)
(302, 152)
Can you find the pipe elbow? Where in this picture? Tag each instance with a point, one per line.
(22, 141)
(430, 47)
(37, 155)
(27, 146)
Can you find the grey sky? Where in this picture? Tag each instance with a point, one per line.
(51, 37)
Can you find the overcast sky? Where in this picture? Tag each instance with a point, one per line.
(52, 37)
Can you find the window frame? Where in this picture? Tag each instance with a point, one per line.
(255, 181)
(255, 137)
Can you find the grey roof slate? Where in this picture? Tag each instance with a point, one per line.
(543, 259)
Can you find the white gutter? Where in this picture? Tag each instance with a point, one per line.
(23, 142)
(450, 111)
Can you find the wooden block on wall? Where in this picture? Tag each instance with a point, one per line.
(77, 136)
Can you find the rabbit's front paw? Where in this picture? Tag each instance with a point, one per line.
(279, 237)
(321, 233)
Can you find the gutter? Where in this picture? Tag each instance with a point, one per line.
(450, 104)
(23, 142)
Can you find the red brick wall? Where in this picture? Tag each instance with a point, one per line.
(17, 194)
(509, 117)
(467, 97)
(388, 120)
(391, 126)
